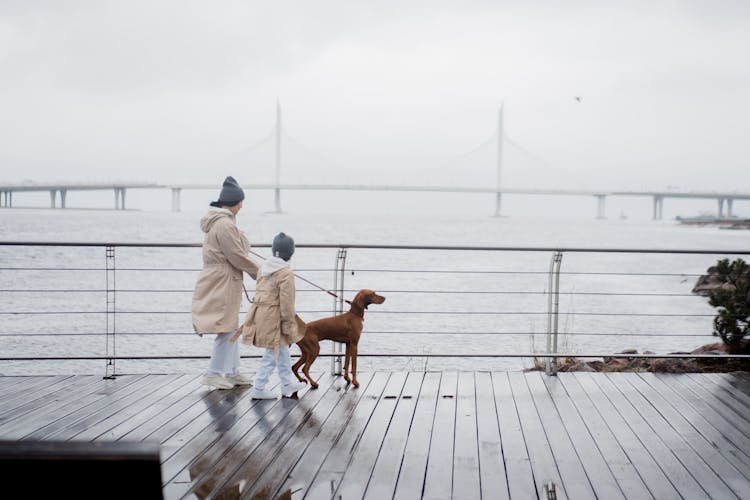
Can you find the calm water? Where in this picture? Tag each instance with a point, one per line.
(475, 302)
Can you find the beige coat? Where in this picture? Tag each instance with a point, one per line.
(272, 320)
(218, 292)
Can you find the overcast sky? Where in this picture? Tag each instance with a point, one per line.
(382, 92)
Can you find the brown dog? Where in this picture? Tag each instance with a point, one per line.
(345, 328)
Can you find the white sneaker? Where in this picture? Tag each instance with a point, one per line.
(239, 379)
(216, 381)
(256, 393)
(290, 389)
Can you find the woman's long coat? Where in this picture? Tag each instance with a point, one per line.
(218, 291)
(271, 321)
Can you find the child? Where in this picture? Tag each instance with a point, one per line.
(272, 322)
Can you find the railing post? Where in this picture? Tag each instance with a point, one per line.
(111, 287)
(338, 307)
(553, 306)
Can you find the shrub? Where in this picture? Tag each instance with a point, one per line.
(732, 299)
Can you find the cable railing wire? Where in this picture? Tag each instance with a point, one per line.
(375, 332)
(608, 316)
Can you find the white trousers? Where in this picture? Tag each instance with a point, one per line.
(283, 364)
(225, 358)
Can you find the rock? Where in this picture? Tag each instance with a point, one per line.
(607, 359)
(674, 365)
(621, 362)
(710, 281)
(615, 365)
(707, 282)
(629, 351)
(579, 366)
(595, 365)
(716, 348)
(640, 365)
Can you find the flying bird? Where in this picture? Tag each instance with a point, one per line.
(577, 98)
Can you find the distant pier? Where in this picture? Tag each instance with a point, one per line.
(119, 189)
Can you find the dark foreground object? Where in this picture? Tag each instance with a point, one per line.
(69, 469)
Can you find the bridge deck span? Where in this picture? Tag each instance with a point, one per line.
(119, 189)
(412, 434)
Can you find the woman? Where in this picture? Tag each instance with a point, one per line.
(218, 291)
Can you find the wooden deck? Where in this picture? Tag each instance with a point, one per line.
(413, 435)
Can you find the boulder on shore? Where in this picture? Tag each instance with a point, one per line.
(621, 362)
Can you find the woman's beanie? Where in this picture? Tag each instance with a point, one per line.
(283, 246)
(231, 194)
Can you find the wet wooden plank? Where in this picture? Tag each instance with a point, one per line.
(410, 481)
(703, 398)
(572, 471)
(726, 389)
(541, 458)
(101, 409)
(725, 434)
(259, 431)
(466, 452)
(208, 436)
(176, 416)
(191, 465)
(127, 430)
(11, 387)
(493, 479)
(660, 436)
(439, 476)
(64, 408)
(63, 389)
(300, 478)
(738, 380)
(103, 430)
(679, 420)
(329, 475)
(588, 450)
(621, 467)
(265, 456)
(323, 415)
(737, 384)
(518, 466)
(382, 481)
(354, 481)
(599, 387)
(699, 472)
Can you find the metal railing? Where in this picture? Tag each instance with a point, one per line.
(52, 296)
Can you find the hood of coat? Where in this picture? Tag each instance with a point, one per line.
(273, 264)
(213, 215)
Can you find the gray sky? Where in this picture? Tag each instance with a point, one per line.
(383, 91)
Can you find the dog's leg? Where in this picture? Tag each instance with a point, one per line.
(314, 350)
(354, 366)
(347, 356)
(300, 362)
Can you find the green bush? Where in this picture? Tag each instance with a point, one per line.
(732, 299)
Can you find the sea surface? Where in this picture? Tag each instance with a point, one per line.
(54, 299)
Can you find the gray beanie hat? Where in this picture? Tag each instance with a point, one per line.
(283, 246)
(231, 194)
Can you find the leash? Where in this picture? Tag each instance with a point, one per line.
(299, 277)
(247, 294)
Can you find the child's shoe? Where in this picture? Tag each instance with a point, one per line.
(256, 393)
(289, 389)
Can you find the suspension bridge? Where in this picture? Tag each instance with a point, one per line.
(278, 137)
